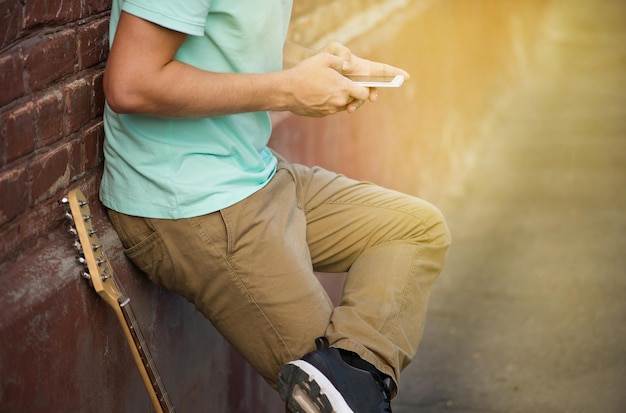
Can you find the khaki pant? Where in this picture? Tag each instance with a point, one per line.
(250, 268)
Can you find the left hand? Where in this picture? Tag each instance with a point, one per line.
(358, 66)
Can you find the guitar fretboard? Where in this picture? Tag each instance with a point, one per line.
(145, 355)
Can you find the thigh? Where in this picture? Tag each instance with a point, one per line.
(345, 217)
(268, 254)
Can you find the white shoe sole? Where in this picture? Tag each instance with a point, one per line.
(305, 389)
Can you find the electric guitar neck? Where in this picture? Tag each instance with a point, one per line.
(99, 273)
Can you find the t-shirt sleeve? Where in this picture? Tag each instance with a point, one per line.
(187, 17)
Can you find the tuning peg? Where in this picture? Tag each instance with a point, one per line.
(78, 247)
(72, 230)
(69, 216)
(64, 201)
(87, 277)
(87, 217)
(83, 203)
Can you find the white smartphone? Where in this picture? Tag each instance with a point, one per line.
(377, 81)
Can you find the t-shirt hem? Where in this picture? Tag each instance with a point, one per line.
(126, 207)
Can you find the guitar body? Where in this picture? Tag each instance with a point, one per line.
(100, 274)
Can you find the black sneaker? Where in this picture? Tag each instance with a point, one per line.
(332, 380)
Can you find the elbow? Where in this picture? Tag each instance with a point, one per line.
(120, 96)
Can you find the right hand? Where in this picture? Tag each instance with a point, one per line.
(316, 87)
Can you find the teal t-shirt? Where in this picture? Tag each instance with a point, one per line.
(180, 168)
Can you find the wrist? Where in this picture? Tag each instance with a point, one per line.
(278, 91)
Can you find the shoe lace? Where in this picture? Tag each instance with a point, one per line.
(385, 382)
(321, 343)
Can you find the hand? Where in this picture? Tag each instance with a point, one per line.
(358, 66)
(318, 88)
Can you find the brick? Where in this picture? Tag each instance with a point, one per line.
(75, 149)
(13, 194)
(52, 171)
(34, 13)
(93, 140)
(11, 82)
(77, 105)
(20, 132)
(49, 58)
(98, 94)
(64, 11)
(10, 17)
(93, 43)
(96, 6)
(49, 118)
(39, 12)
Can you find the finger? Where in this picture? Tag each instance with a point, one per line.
(354, 105)
(392, 70)
(334, 62)
(357, 91)
(376, 68)
(338, 49)
(373, 94)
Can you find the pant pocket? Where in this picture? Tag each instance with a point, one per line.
(143, 246)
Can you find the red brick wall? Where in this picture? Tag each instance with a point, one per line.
(51, 100)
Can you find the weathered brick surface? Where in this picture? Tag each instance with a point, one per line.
(53, 171)
(35, 12)
(20, 132)
(93, 42)
(52, 55)
(38, 12)
(50, 117)
(78, 110)
(93, 7)
(10, 21)
(93, 139)
(49, 58)
(13, 193)
(11, 77)
(98, 94)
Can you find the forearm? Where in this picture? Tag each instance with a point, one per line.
(143, 77)
(181, 90)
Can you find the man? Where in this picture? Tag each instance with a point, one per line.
(205, 209)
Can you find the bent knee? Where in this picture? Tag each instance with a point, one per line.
(432, 226)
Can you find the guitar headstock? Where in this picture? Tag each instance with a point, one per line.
(92, 255)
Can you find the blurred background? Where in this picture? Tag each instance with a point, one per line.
(529, 315)
(514, 123)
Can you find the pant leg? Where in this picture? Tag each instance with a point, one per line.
(392, 246)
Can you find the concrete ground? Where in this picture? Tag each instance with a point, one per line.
(530, 313)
